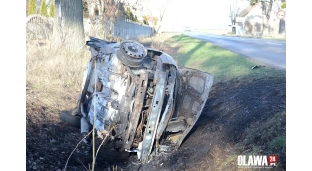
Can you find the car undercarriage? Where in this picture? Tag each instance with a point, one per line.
(137, 99)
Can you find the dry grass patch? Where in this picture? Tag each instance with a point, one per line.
(54, 74)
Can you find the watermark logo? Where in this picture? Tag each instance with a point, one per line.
(257, 161)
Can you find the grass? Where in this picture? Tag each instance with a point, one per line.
(279, 142)
(54, 73)
(223, 64)
(158, 41)
(272, 138)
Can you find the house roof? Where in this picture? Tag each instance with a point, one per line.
(246, 11)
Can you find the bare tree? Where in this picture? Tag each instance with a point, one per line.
(92, 8)
(162, 10)
(106, 12)
(266, 13)
(234, 10)
(144, 6)
(114, 10)
(68, 29)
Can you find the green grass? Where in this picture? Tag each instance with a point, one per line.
(223, 64)
(279, 142)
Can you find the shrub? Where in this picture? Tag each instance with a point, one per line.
(43, 8)
(32, 7)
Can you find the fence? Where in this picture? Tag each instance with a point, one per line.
(39, 27)
(129, 30)
(121, 28)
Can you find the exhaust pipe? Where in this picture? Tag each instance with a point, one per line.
(84, 129)
(84, 126)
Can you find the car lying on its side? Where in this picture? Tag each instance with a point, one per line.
(137, 99)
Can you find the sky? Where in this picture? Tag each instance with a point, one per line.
(198, 13)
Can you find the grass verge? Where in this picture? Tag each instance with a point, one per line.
(223, 64)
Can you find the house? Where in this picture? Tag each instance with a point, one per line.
(250, 21)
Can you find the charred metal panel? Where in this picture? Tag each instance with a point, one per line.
(153, 117)
(135, 115)
(191, 101)
(176, 126)
(170, 104)
(166, 59)
(123, 114)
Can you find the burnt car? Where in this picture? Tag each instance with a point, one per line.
(137, 99)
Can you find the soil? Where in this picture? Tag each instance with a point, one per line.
(239, 118)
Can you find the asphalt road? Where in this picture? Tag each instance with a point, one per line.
(268, 52)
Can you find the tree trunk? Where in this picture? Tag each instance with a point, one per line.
(265, 31)
(91, 9)
(68, 30)
(160, 19)
(266, 13)
(103, 19)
